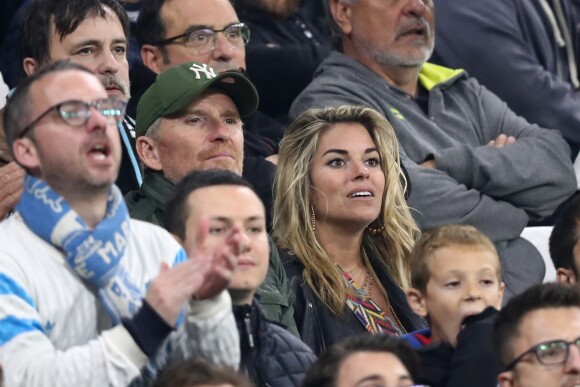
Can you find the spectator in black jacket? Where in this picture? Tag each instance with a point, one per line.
(271, 356)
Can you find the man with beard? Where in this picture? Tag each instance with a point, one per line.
(469, 158)
(93, 33)
(89, 296)
(287, 45)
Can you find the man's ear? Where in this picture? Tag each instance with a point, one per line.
(30, 65)
(342, 12)
(505, 379)
(565, 276)
(417, 302)
(25, 153)
(153, 58)
(149, 153)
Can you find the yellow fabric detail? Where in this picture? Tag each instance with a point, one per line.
(397, 114)
(431, 75)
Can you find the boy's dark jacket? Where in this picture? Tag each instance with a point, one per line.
(472, 363)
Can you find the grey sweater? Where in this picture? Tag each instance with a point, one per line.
(496, 190)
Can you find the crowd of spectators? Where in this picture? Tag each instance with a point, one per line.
(289, 193)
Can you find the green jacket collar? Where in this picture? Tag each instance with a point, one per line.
(157, 188)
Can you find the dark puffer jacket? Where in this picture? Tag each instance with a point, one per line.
(271, 356)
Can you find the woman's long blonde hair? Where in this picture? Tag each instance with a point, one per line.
(293, 228)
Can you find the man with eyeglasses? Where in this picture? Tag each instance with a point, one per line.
(537, 337)
(207, 32)
(88, 296)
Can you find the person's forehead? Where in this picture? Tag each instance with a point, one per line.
(361, 364)
(540, 325)
(226, 201)
(457, 256)
(212, 13)
(112, 28)
(65, 85)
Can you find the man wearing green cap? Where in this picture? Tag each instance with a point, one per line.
(190, 119)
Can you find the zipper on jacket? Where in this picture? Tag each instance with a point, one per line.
(249, 329)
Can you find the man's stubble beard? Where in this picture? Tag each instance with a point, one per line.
(392, 58)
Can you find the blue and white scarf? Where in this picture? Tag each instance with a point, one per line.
(96, 255)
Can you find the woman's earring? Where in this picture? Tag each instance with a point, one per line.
(313, 218)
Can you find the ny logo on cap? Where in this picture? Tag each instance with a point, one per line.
(208, 71)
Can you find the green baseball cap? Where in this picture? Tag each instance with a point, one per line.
(177, 87)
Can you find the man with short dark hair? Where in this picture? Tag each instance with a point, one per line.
(94, 33)
(378, 359)
(89, 296)
(564, 246)
(537, 335)
(469, 158)
(271, 356)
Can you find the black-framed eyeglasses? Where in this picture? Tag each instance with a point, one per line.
(202, 40)
(77, 113)
(548, 353)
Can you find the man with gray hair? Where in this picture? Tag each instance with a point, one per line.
(469, 158)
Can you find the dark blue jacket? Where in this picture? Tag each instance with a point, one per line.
(271, 356)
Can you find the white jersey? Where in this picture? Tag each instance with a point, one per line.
(54, 331)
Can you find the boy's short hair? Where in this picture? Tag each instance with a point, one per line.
(438, 238)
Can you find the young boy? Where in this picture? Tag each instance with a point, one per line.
(455, 274)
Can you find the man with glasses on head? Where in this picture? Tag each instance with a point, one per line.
(537, 336)
(88, 296)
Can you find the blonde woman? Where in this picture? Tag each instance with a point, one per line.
(343, 225)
